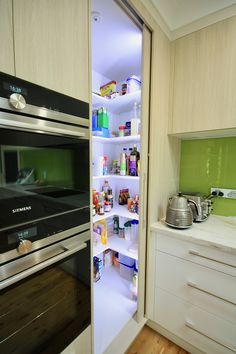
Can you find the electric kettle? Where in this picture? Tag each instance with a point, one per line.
(179, 214)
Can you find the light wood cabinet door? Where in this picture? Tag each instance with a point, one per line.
(204, 87)
(6, 37)
(51, 44)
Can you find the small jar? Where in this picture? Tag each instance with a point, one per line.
(122, 130)
(107, 207)
(124, 88)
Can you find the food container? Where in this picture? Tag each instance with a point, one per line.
(108, 258)
(121, 130)
(102, 118)
(133, 84)
(108, 89)
(126, 267)
(124, 89)
(107, 207)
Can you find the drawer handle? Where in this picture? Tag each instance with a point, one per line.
(196, 253)
(191, 326)
(194, 285)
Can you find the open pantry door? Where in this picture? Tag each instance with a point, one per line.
(120, 135)
(146, 67)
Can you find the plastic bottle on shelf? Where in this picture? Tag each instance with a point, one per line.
(127, 226)
(105, 168)
(123, 156)
(105, 187)
(121, 227)
(135, 120)
(116, 225)
(134, 236)
(104, 238)
(110, 197)
(128, 161)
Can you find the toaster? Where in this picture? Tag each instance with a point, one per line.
(202, 209)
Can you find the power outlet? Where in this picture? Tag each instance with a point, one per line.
(224, 193)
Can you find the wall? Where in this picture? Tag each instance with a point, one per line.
(210, 163)
(51, 166)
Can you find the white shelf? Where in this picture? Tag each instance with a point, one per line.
(132, 178)
(117, 244)
(119, 210)
(113, 307)
(117, 140)
(119, 104)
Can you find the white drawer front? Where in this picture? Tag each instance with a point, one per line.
(208, 333)
(208, 256)
(207, 288)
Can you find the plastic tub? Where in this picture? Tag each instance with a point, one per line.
(133, 84)
(126, 267)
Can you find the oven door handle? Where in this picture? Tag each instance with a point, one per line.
(57, 254)
(41, 126)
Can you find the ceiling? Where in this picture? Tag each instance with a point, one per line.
(177, 13)
(116, 42)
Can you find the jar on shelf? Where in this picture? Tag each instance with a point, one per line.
(121, 130)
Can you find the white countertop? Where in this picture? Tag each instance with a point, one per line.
(218, 231)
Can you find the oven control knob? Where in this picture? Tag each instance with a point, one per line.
(17, 101)
(24, 246)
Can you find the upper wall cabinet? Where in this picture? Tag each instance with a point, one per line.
(51, 44)
(6, 37)
(204, 86)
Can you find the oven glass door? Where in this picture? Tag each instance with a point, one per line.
(46, 311)
(44, 185)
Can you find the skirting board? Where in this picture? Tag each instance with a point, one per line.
(125, 338)
(175, 339)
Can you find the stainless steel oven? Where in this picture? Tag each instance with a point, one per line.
(44, 218)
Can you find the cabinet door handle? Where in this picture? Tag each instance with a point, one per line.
(196, 253)
(194, 285)
(190, 325)
(144, 195)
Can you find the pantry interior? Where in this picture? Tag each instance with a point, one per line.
(116, 167)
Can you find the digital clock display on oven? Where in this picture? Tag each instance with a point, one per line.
(14, 89)
(22, 235)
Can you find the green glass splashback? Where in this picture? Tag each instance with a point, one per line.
(52, 166)
(209, 163)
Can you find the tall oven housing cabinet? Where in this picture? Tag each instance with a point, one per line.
(45, 218)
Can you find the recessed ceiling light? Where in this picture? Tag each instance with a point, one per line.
(96, 16)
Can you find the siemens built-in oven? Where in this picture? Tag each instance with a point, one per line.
(44, 218)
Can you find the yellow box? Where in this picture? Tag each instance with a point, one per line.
(108, 89)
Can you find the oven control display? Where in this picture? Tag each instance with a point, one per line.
(15, 89)
(22, 235)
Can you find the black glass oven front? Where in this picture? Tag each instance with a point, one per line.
(44, 186)
(46, 311)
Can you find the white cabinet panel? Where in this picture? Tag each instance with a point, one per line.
(211, 290)
(207, 256)
(209, 333)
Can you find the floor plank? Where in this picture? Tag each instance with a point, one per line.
(150, 342)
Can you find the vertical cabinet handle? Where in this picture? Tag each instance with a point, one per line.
(190, 325)
(143, 202)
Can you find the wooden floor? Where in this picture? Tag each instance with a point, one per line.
(150, 342)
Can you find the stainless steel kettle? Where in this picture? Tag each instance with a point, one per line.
(179, 214)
